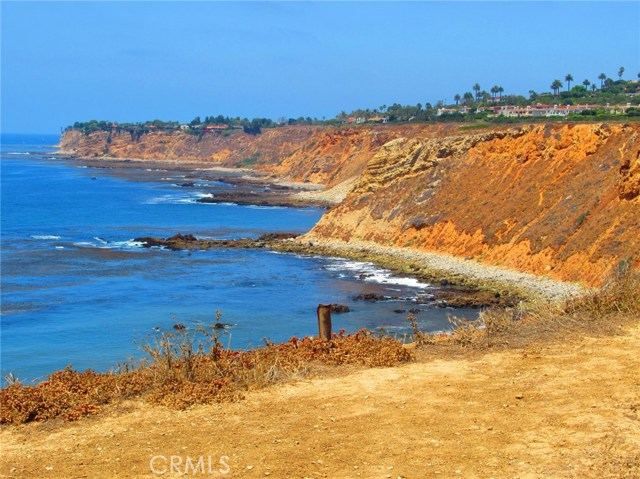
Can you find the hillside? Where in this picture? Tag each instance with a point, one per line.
(561, 201)
(556, 200)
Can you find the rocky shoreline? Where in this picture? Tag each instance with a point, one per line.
(441, 269)
(246, 186)
(459, 283)
(189, 242)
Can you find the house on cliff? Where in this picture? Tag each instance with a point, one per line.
(543, 110)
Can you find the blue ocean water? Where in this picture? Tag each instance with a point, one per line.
(76, 289)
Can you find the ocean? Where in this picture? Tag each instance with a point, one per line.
(77, 290)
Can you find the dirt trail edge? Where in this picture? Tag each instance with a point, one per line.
(562, 410)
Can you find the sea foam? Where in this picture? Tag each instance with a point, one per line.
(46, 237)
(372, 273)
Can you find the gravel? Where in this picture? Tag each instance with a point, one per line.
(547, 288)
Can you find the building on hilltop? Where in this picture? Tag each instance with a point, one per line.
(538, 110)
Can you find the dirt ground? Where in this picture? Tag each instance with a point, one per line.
(557, 410)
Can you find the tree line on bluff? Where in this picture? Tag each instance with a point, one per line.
(610, 92)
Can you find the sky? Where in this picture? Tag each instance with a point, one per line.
(123, 61)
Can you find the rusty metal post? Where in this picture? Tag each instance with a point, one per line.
(324, 322)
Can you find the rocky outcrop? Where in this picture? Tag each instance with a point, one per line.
(189, 242)
(554, 200)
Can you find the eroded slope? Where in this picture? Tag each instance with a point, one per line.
(557, 200)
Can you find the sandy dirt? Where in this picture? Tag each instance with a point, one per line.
(555, 410)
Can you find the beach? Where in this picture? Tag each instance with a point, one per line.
(440, 267)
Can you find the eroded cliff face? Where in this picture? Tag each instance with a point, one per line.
(234, 148)
(561, 201)
(325, 156)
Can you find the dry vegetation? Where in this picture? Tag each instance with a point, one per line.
(599, 311)
(190, 367)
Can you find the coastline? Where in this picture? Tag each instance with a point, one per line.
(271, 191)
(430, 266)
(439, 267)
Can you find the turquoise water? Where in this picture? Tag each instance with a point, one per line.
(76, 289)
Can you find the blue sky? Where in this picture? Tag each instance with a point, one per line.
(136, 61)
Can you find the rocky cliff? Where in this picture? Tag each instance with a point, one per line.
(556, 200)
(325, 156)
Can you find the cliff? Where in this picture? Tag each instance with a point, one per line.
(561, 201)
(322, 155)
(556, 200)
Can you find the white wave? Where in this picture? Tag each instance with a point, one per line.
(259, 207)
(104, 244)
(46, 237)
(59, 247)
(170, 200)
(176, 199)
(18, 153)
(387, 278)
(128, 244)
(371, 273)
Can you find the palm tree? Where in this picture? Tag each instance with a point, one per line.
(467, 97)
(501, 91)
(494, 91)
(568, 79)
(602, 77)
(533, 95)
(594, 88)
(608, 82)
(457, 98)
(620, 72)
(586, 84)
(476, 88)
(555, 86)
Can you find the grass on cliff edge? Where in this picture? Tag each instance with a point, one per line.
(602, 311)
(189, 367)
(192, 367)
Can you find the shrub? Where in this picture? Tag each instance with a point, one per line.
(188, 367)
(620, 294)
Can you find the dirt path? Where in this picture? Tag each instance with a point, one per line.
(561, 410)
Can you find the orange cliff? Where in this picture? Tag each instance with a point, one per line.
(556, 200)
(322, 155)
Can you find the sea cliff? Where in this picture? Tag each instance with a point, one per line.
(557, 200)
